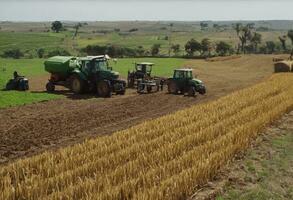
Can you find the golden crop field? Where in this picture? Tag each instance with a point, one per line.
(165, 158)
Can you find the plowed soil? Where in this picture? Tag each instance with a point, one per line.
(31, 129)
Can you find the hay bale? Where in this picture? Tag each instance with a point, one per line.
(283, 66)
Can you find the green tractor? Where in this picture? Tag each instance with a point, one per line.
(183, 82)
(91, 73)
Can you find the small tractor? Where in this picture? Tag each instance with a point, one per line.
(86, 74)
(17, 83)
(141, 78)
(183, 82)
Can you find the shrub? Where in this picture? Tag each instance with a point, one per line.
(58, 53)
(13, 53)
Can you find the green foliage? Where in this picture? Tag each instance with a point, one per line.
(56, 26)
(40, 52)
(13, 53)
(175, 48)
(155, 49)
(290, 35)
(206, 46)
(192, 46)
(58, 52)
(223, 48)
(271, 46)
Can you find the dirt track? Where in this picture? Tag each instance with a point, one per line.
(30, 129)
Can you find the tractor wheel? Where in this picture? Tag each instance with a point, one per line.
(50, 87)
(104, 89)
(191, 91)
(172, 87)
(76, 84)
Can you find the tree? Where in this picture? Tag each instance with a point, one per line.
(206, 46)
(223, 48)
(203, 25)
(270, 46)
(255, 40)
(56, 26)
(238, 27)
(192, 46)
(14, 53)
(175, 48)
(290, 35)
(76, 27)
(283, 42)
(155, 49)
(40, 52)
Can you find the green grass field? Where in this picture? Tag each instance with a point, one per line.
(27, 67)
(30, 37)
(163, 66)
(34, 67)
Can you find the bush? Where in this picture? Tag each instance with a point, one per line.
(58, 53)
(14, 53)
(223, 48)
(112, 50)
(40, 52)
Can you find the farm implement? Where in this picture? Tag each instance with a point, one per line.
(86, 74)
(141, 79)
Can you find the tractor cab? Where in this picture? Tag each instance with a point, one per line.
(144, 68)
(183, 74)
(97, 65)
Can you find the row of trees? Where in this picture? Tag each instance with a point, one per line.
(250, 40)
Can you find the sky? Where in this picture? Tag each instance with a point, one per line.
(147, 10)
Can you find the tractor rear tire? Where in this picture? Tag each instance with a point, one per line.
(192, 91)
(172, 87)
(104, 89)
(77, 85)
(50, 87)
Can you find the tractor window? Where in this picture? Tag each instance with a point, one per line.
(179, 74)
(189, 74)
(101, 65)
(138, 68)
(86, 65)
(148, 68)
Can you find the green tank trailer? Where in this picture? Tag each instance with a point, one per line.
(85, 74)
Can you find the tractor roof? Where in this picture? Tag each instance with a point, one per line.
(60, 59)
(186, 69)
(145, 63)
(96, 57)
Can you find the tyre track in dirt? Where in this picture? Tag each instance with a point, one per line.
(31, 129)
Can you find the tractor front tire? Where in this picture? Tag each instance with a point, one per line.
(172, 87)
(76, 84)
(50, 87)
(192, 91)
(104, 89)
